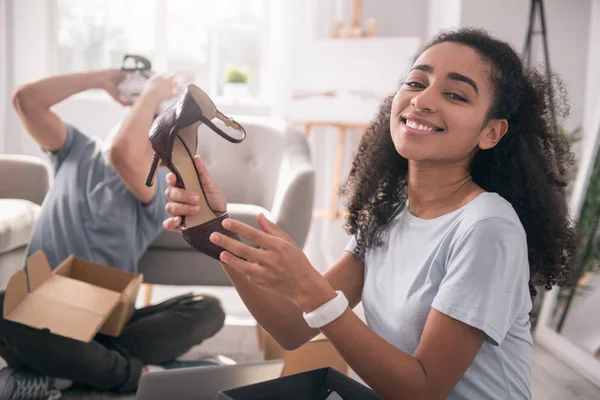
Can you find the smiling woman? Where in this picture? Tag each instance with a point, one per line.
(456, 203)
(474, 91)
(442, 100)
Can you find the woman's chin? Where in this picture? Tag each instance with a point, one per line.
(412, 153)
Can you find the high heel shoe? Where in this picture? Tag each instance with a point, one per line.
(174, 137)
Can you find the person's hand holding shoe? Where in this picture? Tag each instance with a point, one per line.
(160, 87)
(110, 80)
(182, 202)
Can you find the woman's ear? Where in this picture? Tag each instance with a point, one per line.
(492, 133)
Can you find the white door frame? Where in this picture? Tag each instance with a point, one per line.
(577, 358)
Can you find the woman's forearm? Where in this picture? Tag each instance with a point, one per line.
(279, 315)
(392, 373)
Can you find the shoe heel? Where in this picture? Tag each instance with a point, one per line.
(153, 170)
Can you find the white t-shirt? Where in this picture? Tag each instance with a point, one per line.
(471, 265)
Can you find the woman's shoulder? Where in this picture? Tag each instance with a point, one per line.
(490, 209)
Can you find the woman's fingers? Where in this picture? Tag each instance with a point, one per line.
(177, 195)
(247, 268)
(234, 246)
(272, 229)
(205, 177)
(249, 233)
(171, 179)
(172, 224)
(179, 209)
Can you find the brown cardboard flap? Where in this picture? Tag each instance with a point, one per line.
(96, 300)
(313, 355)
(38, 269)
(319, 337)
(76, 300)
(317, 353)
(64, 306)
(121, 315)
(59, 318)
(94, 273)
(132, 289)
(16, 291)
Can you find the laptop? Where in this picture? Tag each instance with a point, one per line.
(204, 383)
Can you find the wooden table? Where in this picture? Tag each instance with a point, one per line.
(333, 211)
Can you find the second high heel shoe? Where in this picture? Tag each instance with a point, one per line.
(174, 137)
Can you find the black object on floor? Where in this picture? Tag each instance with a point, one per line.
(317, 384)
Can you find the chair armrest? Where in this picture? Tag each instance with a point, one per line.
(293, 202)
(23, 177)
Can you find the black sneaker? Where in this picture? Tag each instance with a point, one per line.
(22, 385)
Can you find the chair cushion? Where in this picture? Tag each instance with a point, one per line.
(17, 218)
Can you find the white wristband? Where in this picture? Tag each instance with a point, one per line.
(328, 312)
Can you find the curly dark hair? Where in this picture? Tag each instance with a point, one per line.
(528, 167)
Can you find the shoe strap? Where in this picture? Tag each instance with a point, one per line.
(223, 134)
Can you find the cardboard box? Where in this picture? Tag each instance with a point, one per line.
(318, 353)
(78, 299)
(318, 384)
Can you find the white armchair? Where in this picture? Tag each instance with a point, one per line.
(23, 186)
(271, 172)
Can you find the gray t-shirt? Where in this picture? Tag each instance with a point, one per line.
(471, 265)
(90, 213)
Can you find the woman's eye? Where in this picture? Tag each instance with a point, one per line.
(454, 96)
(414, 85)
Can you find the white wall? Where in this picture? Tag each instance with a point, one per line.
(398, 17)
(579, 323)
(442, 14)
(394, 18)
(592, 78)
(568, 25)
(6, 72)
(31, 61)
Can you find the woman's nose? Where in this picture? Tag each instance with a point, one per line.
(424, 101)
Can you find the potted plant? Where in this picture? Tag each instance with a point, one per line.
(236, 84)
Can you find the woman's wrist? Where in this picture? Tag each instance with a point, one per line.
(320, 293)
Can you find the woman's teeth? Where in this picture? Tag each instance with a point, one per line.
(418, 127)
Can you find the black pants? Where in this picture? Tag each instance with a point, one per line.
(154, 335)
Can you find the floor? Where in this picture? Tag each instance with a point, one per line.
(551, 379)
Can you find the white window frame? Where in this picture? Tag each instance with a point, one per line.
(258, 104)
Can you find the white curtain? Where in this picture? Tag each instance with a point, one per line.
(5, 67)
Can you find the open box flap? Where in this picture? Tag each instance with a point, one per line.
(16, 291)
(59, 318)
(63, 305)
(38, 270)
(131, 291)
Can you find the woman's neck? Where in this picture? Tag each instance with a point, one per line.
(435, 190)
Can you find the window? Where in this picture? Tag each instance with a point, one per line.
(200, 38)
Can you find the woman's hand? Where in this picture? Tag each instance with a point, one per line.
(279, 265)
(182, 202)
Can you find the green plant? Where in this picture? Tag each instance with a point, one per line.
(572, 137)
(236, 75)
